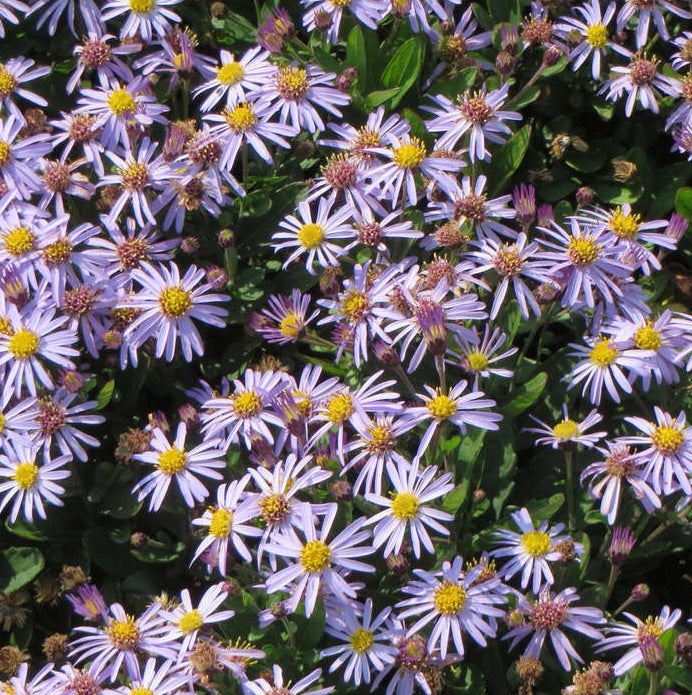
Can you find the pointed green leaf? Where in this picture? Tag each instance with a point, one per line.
(507, 160)
(683, 202)
(525, 396)
(19, 566)
(404, 68)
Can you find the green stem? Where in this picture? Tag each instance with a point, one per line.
(610, 585)
(317, 341)
(656, 532)
(569, 483)
(440, 365)
(399, 371)
(653, 683)
(622, 607)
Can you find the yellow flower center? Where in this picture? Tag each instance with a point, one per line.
(142, 6)
(597, 35)
(191, 621)
(7, 82)
(354, 305)
(477, 361)
(135, 176)
(625, 226)
(25, 475)
(175, 302)
(57, 252)
(121, 102)
(303, 403)
(653, 627)
(221, 522)
(292, 83)
(315, 556)
(566, 429)
(291, 326)
(410, 155)
(667, 439)
(360, 639)
(240, 118)
(340, 3)
(535, 543)
(247, 404)
(449, 598)
(603, 354)
(172, 461)
(648, 338)
(5, 326)
(273, 508)
(230, 73)
(311, 235)
(2, 422)
(123, 634)
(24, 343)
(442, 407)
(405, 506)
(19, 241)
(339, 408)
(381, 439)
(5, 151)
(141, 691)
(583, 250)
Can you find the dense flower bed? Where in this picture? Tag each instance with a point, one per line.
(345, 347)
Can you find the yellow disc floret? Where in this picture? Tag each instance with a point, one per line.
(172, 461)
(625, 226)
(315, 556)
(648, 338)
(449, 598)
(354, 305)
(247, 404)
(123, 634)
(583, 250)
(19, 241)
(24, 343)
(5, 151)
(603, 353)
(7, 82)
(230, 73)
(25, 475)
(405, 506)
(536, 543)
(477, 361)
(339, 408)
(311, 235)
(240, 118)
(191, 621)
(667, 439)
(120, 102)
(175, 302)
(653, 627)
(442, 407)
(597, 35)
(221, 522)
(410, 155)
(566, 429)
(361, 640)
(291, 326)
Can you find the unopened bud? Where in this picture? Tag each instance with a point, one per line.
(504, 63)
(640, 592)
(652, 653)
(138, 540)
(189, 245)
(683, 647)
(226, 238)
(385, 354)
(216, 276)
(551, 55)
(584, 195)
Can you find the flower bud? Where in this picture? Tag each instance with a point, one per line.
(584, 195)
(640, 592)
(226, 238)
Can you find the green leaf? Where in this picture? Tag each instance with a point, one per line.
(456, 497)
(105, 395)
(471, 446)
(375, 99)
(458, 84)
(525, 396)
(683, 202)
(679, 676)
(509, 157)
(19, 566)
(403, 69)
(546, 508)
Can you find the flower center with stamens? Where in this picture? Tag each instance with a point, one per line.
(642, 70)
(121, 102)
(130, 253)
(50, 418)
(624, 226)
(273, 507)
(449, 598)
(95, 54)
(381, 439)
(79, 302)
(453, 48)
(364, 140)
(405, 506)
(535, 543)
(220, 523)
(546, 615)
(175, 302)
(620, 463)
(20, 241)
(25, 475)
(206, 149)
(5, 152)
(80, 127)
(475, 109)
(603, 353)
(123, 634)
(471, 206)
(410, 154)
(339, 408)
(354, 305)
(172, 461)
(477, 361)
(303, 403)
(648, 338)
(2, 422)
(247, 404)
(142, 6)
(5, 326)
(83, 684)
(340, 171)
(653, 627)
(597, 35)
(191, 621)
(507, 261)
(7, 82)
(667, 438)
(369, 233)
(340, 3)
(360, 639)
(240, 118)
(566, 429)
(442, 407)
(311, 235)
(291, 83)
(24, 343)
(230, 73)
(140, 691)
(315, 556)
(56, 177)
(291, 326)
(583, 250)
(135, 177)
(57, 252)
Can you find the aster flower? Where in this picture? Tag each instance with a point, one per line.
(88, 602)
(288, 318)
(645, 12)
(27, 484)
(79, 130)
(548, 616)
(13, 74)
(367, 12)
(168, 678)
(406, 508)
(567, 433)
(457, 407)
(54, 10)
(668, 452)
(226, 523)
(60, 180)
(623, 635)
(374, 233)
(477, 112)
(13, 419)
(174, 461)
(362, 638)
(477, 356)
(186, 620)
(261, 686)
(456, 603)
(145, 17)
(168, 303)
(315, 563)
(530, 551)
